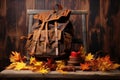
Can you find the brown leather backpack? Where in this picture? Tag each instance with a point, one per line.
(52, 35)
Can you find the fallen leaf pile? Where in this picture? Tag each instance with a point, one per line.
(90, 63)
(18, 63)
(99, 64)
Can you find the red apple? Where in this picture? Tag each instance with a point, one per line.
(74, 54)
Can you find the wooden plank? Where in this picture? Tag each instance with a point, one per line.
(73, 12)
(115, 74)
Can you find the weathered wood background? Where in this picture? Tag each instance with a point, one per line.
(103, 24)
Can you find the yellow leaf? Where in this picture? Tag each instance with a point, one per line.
(43, 71)
(60, 65)
(32, 60)
(20, 65)
(38, 63)
(115, 66)
(11, 66)
(89, 57)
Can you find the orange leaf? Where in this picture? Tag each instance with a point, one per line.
(107, 59)
(15, 57)
(84, 66)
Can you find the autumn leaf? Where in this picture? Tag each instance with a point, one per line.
(94, 64)
(38, 63)
(11, 66)
(60, 65)
(32, 60)
(43, 70)
(15, 57)
(115, 66)
(84, 66)
(20, 65)
(89, 57)
(107, 59)
(82, 52)
(101, 64)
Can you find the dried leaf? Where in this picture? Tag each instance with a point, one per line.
(15, 57)
(32, 60)
(20, 66)
(84, 66)
(60, 65)
(89, 57)
(82, 52)
(43, 71)
(115, 66)
(39, 63)
(11, 66)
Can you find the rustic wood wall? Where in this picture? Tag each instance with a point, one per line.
(102, 23)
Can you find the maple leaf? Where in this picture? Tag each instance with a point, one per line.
(107, 59)
(38, 63)
(93, 65)
(84, 66)
(43, 70)
(15, 57)
(32, 60)
(115, 66)
(11, 66)
(20, 65)
(89, 57)
(60, 65)
(103, 66)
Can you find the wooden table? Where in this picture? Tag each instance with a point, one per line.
(115, 74)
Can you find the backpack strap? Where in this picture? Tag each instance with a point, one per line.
(56, 37)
